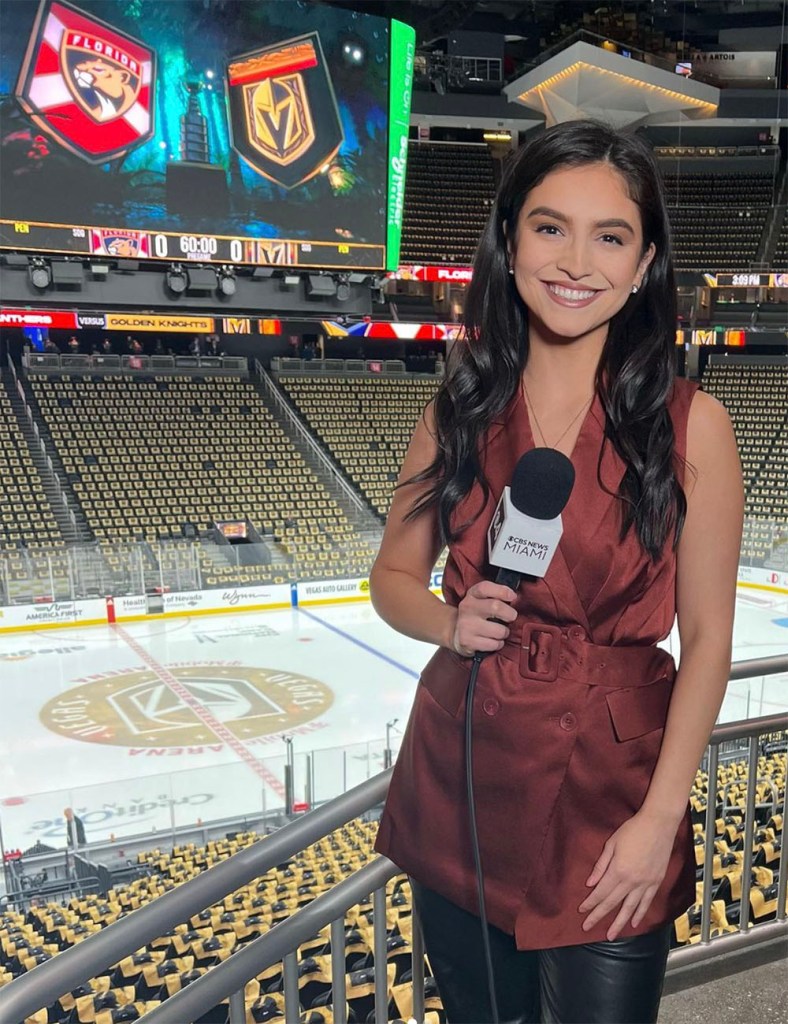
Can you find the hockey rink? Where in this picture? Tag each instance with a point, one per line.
(157, 724)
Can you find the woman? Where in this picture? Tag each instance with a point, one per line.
(586, 739)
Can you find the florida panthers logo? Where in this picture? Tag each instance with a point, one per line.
(88, 85)
(104, 89)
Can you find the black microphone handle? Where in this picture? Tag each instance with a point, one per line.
(509, 578)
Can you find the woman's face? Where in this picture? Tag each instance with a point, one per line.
(579, 249)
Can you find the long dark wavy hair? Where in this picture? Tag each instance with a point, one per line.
(636, 369)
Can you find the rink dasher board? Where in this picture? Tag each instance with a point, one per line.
(140, 607)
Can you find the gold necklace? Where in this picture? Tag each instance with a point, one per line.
(527, 398)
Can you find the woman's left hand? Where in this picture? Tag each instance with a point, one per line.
(629, 869)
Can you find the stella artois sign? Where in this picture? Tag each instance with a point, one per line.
(283, 112)
(86, 84)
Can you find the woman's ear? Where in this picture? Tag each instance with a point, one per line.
(645, 263)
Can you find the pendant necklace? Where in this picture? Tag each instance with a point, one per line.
(527, 397)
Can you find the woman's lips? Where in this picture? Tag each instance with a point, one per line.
(562, 295)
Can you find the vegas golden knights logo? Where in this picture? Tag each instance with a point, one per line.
(283, 112)
(137, 708)
(278, 118)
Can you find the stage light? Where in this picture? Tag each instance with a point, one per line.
(343, 288)
(227, 281)
(259, 272)
(177, 280)
(354, 52)
(99, 271)
(289, 281)
(40, 274)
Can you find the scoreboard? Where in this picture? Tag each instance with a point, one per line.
(175, 247)
(272, 133)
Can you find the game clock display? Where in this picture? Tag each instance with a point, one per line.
(244, 133)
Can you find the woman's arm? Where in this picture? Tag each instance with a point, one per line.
(635, 858)
(399, 580)
(706, 569)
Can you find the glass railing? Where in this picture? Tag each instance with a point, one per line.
(157, 802)
(30, 576)
(83, 571)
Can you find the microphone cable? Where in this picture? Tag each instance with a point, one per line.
(477, 858)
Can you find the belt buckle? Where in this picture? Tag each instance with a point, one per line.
(550, 672)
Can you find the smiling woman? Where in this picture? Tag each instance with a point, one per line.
(586, 737)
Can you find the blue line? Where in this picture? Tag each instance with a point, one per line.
(360, 643)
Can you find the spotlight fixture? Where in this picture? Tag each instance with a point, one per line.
(177, 279)
(40, 273)
(289, 281)
(227, 280)
(343, 288)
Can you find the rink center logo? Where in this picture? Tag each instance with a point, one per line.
(134, 708)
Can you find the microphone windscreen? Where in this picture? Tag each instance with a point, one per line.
(542, 482)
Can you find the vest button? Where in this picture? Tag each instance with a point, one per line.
(568, 721)
(577, 633)
(491, 706)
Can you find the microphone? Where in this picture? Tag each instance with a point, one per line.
(526, 527)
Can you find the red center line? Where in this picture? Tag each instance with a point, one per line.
(220, 731)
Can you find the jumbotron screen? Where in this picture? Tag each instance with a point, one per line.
(227, 131)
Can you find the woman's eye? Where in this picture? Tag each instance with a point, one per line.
(612, 238)
(547, 228)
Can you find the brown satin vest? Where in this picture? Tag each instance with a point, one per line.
(567, 719)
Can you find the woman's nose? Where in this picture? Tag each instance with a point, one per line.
(574, 259)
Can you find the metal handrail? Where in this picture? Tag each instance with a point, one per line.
(233, 974)
(28, 993)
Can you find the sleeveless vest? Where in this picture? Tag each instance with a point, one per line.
(567, 719)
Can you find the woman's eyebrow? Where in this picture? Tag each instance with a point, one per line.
(610, 222)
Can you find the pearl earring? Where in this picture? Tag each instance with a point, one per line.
(634, 288)
(511, 271)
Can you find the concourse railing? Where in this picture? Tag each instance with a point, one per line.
(47, 982)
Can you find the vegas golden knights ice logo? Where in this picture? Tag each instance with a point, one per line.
(88, 85)
(137, 708)
(283, 112)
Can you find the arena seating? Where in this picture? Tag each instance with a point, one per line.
(717, 219)
(175, 451)
(728, 860)
(383, 412)
(754, 396)
(780, 261)
(143, 980)
(448, 193)
(27, 517)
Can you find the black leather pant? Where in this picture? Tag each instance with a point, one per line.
(618, 982)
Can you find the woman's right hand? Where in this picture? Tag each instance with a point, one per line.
(473, 630)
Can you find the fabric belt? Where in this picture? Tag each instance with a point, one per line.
(543, 651)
